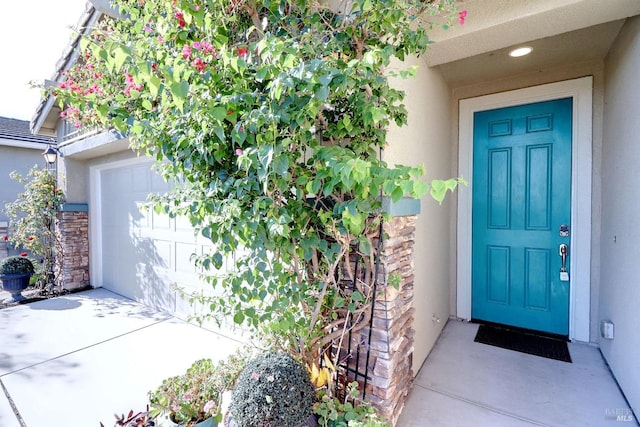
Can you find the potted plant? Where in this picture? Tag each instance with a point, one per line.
(274, 390)
(15, 272)
(194, 399)
(134, 419)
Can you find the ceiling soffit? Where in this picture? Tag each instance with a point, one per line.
(492, 25)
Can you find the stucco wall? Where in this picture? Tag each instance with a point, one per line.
(426, 141)
(74, 168)
(103, 160)
(15, 159)
(620, 293)
(73, 179)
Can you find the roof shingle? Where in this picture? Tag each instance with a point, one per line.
(18, 130)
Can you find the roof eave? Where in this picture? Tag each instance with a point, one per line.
(46, 116)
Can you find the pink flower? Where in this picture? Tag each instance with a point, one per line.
(131, 85)
(209, 406)
(254, 375)
(462, 16)
(148, 29)
(239, 153)
(186, 51)
(207, 47)
(199, 64)
(94, 88)
(197, 45)
(180, 17)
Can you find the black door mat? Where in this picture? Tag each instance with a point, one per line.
(524, 342)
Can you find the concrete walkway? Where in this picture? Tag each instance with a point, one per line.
(73, 361)
(464, 383)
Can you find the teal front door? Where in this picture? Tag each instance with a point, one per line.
(522, 216)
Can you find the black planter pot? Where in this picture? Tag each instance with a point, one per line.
(15, 284)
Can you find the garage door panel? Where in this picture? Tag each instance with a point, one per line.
(162, 254)
(183, 225)
(139, 179)
(160, 221)
(184, 263)
(144, 253)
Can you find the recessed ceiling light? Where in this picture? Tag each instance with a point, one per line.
(521, 51)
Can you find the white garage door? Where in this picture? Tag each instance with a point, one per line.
(141, 254)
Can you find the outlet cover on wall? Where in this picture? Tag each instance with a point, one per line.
(606, 329)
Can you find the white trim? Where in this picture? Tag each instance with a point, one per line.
(580, 266)
(95, 213)
(24, 144)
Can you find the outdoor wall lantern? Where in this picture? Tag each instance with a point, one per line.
(50, 155)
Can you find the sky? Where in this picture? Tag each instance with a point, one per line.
(33, 36)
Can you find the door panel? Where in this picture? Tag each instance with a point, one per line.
(521, 196)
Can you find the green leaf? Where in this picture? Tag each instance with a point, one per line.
(238, 318)
(218, 113)
(322, 93)
(377, 114)
(420, 188)
(265, 155)
(397, 194)
(120, 56)
(219, 132)
(357, 296)
(281, 165)
(154, 85)
(180, 90)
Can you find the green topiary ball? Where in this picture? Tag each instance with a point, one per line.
(273, 390)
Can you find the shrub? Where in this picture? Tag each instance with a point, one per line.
(32, 216)
(271, 115)
(272, 391)
(16, 265)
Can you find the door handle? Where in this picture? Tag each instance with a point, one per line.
(563, 250)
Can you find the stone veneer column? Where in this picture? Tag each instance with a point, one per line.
(72, 226)
(392, 334)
